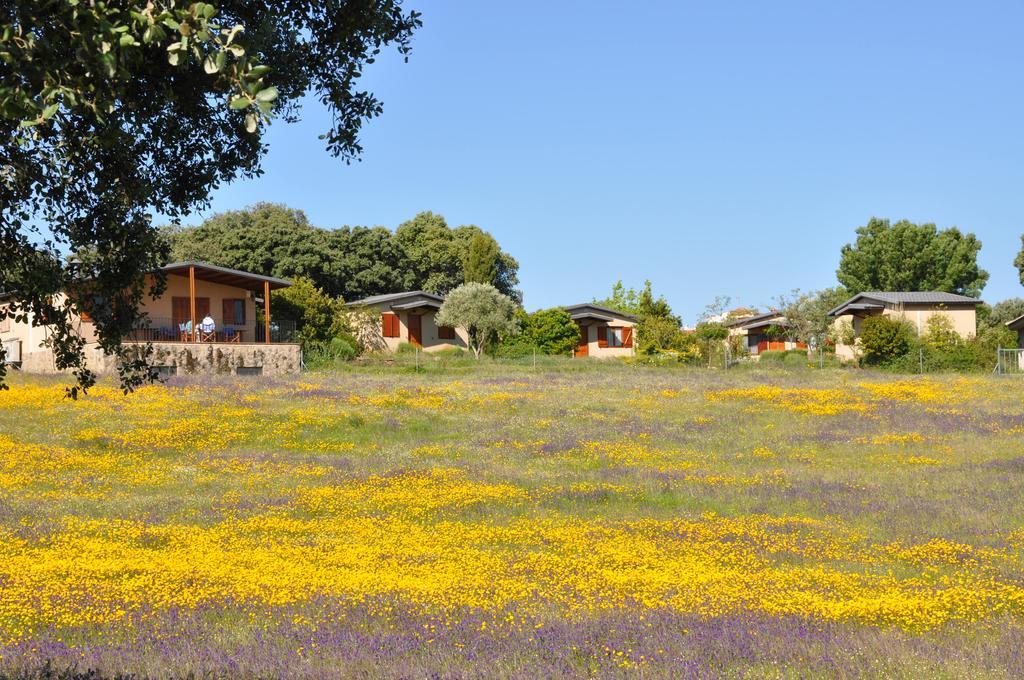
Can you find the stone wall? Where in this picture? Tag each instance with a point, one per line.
(179, 358)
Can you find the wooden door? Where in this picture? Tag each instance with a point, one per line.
(416, 329)
(583, 348)
(181, 310)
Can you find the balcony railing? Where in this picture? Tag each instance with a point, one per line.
(156, 329)
(281, 330)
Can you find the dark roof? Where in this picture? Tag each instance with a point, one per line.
(1016, 324)
(415, 298)
(231, 277)
(753, 320)
(590, 310)
(871, 300)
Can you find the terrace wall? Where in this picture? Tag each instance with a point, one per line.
(188, 359)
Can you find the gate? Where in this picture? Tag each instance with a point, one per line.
(1009, 361)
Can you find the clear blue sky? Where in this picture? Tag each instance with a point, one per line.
(716, 148)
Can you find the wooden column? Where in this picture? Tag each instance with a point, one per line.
(266, 310)
(192, 301)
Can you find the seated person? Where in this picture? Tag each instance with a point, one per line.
(207, 325)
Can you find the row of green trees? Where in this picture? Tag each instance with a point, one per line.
(423, 253)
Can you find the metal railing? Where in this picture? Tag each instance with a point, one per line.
(163, 329)
(281, 330)
(1009, 361)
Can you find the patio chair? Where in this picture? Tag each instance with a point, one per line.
(207, 330)
(231, 335)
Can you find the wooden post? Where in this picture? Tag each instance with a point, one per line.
(266, 311)
(192, 301)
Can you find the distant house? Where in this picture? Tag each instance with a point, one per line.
(604, 333)
(756, 333)
(913, 307)
(1017, 325)
(239, 337)
(409, 317)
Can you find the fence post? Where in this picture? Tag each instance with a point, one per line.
(417, 359)
(920, 359)
(999, 360)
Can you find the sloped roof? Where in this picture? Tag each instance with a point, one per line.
(882, 298)
(753, 320)
(1016, 324)
(398, 298)
(215, 274)
(592, 311)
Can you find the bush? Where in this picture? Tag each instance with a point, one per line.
(884, 340)
(405, 348)
(320, 354)
(318, 316)
(517, 348)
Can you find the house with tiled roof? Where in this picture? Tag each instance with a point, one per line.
(914, 307)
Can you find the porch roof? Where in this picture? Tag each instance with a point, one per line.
(230, 277)
(592, 311)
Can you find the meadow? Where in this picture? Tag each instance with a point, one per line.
(516, 521)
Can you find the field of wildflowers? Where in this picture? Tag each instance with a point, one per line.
(516, 523)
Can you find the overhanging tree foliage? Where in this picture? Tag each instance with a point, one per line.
(111, 111)
(908, 257)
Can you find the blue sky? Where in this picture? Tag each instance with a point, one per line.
(714, 148)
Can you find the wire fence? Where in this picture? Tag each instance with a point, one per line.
(1009, 361)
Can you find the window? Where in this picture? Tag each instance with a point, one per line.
(234, 312)
(615, 336)
(391, 325)
(445, 333)
(5, 325)
(249, 370)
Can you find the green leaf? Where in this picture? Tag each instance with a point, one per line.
(258, 71)
(267, 95)
(126, 40)
(239, 103)
(210, 64)
(50, 110)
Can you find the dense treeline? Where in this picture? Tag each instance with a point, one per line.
(423, 253)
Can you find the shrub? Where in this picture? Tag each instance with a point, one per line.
(883, 340)
(517, 348)
(320, 354)
(318, 316)
(405, 348)
(548, 331)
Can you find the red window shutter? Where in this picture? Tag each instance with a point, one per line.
(627, 336)
(390, 324)
(602, 336)
(228, 309)
(445, 333)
